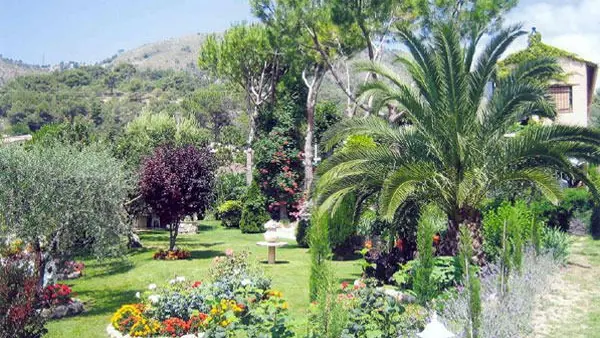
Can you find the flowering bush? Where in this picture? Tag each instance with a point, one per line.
(57, 294)
(370, 312)
(20, 297)
(237, 299)
(279, 163)
(70, 267)
(172, 255)
(13, 248)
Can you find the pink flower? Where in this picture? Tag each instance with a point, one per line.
(229, 252)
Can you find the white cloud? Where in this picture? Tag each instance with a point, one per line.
(572, 25)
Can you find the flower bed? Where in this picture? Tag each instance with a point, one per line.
(172, 255)
(237, 299)
(363, 310)
(58, 302)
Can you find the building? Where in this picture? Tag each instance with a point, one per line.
(574, 90)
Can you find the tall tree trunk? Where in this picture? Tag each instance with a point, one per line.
(283, 214)
(173, 231)
(471, 218)
(311, 103)
(249, 150)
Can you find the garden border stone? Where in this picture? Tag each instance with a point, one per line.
(114, 333)
(74, 308)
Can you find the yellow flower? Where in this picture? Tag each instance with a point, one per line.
(224, 323)
(284, 305)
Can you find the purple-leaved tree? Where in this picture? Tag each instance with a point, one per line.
(178, 182)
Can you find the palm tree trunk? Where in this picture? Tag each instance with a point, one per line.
(471, 218)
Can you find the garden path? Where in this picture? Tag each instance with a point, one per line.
(571, 305)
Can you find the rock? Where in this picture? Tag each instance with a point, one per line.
(75, 308)
(59, 312)
(74, 275)
(187, 228)
(46, 313)
(400, 296)
(134, 241)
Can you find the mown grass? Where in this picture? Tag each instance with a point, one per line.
(108, 285)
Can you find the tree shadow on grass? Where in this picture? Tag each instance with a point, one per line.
(204, 227)
(206, 254)
(114, 268)
(277, 262)
(100, 302)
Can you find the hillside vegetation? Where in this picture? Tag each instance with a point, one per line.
(173, 54)
(10, 69)
(110, 97)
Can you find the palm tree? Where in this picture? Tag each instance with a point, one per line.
(453, 148)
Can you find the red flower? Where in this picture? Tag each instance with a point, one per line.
(175, 327)
(196, 284)
(344, 285)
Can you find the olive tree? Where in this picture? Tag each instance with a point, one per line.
(63, 200)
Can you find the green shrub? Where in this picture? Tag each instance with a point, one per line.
(302, 233)
(230, 213)
(556, 242)
(230, 187)
(443, 275)
(558, 216)
(254, 215)
(512, 225)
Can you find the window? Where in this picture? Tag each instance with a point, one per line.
(563, 98)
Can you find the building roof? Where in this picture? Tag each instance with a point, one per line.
(538, 49)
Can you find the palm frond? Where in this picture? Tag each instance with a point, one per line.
(398, 187)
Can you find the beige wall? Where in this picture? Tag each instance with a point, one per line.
(577, 77)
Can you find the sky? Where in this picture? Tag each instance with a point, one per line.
(92, 30)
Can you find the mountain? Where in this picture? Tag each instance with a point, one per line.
(10, 69)
(175, 54)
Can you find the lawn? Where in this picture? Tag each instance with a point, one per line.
(108, 285)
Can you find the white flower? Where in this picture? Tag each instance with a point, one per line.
(153, 298)
(151, 286)
(357, 283)
(137, 295)
(245, 282)
(180, 279)
(172, 281)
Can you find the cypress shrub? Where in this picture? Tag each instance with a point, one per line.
(254, 215)
(302, 232)
(471, 282)
(595, 222)
(424, 286)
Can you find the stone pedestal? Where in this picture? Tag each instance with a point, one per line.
(272, 246)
